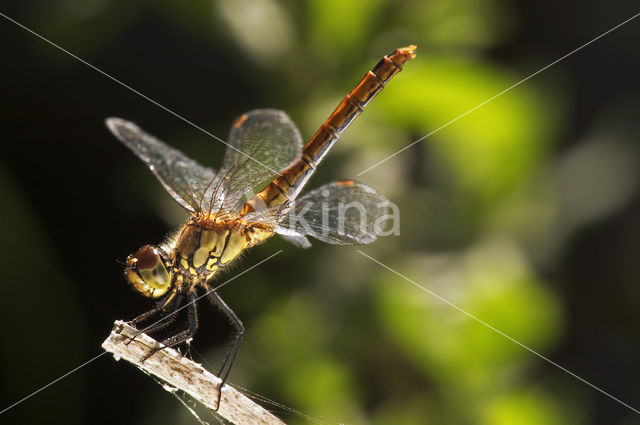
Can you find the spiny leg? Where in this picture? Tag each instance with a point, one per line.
(233, 349)
(144, 316)
(182, 336)
(172, 304)
(172, 298)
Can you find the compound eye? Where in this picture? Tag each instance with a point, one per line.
(147, 272)
(147, 257)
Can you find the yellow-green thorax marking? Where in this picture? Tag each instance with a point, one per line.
(204, 246)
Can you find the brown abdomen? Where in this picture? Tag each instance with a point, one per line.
(289, 183)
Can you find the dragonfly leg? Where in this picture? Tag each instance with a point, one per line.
(184, 335)
(146, 315)
(165, 308)
(233, 349)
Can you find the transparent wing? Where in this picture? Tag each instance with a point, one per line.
(184, 179)
(263, 142)
(342, 213)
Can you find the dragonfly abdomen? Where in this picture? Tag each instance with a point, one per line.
(290, 182)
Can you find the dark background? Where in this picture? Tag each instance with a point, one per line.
(75, 202)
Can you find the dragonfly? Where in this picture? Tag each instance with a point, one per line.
(253, 196)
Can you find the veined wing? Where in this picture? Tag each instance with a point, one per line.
(184, 179)
(263, 142)
(342, 213)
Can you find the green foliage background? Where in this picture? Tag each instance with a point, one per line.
(522, 213)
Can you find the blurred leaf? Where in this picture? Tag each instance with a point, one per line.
(291, 335)
(493, 149)
(459, 24)
(321, 385)
(528, 407)
(261, 27)
(338, 27)
(595, 178)
(490, 283)
(294, 326)
(412, 410)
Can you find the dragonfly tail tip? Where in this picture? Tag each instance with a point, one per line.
(409, 51)
(403, 55)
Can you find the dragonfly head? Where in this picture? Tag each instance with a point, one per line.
(147, 272)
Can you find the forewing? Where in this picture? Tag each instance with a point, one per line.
(184, 179)
(262, 143)
(342, 213)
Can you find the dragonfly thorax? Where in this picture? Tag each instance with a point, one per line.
(203, 246)
(191, 256)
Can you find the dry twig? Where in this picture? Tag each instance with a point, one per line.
(186, 375)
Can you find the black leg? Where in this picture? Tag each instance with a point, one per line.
(164, 308)
(161, 306)
(233, 349)
(184, 335)
(146, 315)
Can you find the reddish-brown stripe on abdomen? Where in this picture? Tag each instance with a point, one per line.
(289, 183)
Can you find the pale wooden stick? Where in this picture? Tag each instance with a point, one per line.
(186, 375)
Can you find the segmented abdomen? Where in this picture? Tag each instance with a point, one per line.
(289, 183)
